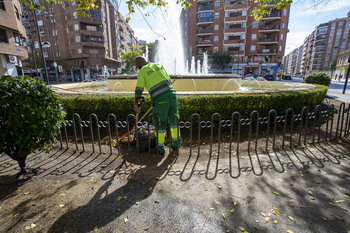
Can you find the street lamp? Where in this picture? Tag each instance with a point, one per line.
(239, 49)
(47, 16)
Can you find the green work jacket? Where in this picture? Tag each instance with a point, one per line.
(154, 78)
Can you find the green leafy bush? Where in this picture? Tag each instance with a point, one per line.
(318, 78)
(31, 115)
(205, 105)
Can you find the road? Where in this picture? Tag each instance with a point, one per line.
(336, 86)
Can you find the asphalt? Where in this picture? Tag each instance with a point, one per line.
(303, 190)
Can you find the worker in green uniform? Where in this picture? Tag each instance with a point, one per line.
(156, 80)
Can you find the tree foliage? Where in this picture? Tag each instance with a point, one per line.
(318, 78)
(221, 59)
(259, 7)
(129, 57)
(66, 65)
(332, 66)
(30, 117)
(30, 63)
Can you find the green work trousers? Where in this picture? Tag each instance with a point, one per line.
(165, 111)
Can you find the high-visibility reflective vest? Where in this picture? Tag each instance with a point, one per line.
(154, 78)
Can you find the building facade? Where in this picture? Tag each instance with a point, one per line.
(256, 47)
(324, 45)
(93, 45)
(12, 38)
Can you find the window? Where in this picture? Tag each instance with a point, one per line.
(216, 27)
(253, 36)
(77, 39)
(217, 3)
(244, 13)
(76, 27)
(216, 38)
(3, 37)
(79, 51)
(46, 54)
(216, 49)
(91, 28)
(2, 5)
(285, 12)
(18, 39)
(283, 24)
(217, 15)
(75, 15)
(17, 13)
(255, 24)
(252, 48)
(281, 36)
(280, 48)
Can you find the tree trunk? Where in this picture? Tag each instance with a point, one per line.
(22, 164)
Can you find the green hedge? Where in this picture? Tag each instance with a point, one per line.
(319, 78)
(205, 105)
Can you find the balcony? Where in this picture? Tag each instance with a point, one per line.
(235, 4)
(205, 32)
(204, 1)
(205, 8)
(204, 43)
(236, 17)
(267, 51)
(234, 28)
(271, 40)
(272, 16)
(269, 28)
(205, 21)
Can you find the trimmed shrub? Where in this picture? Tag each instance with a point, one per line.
(31, 116)
(318, 78)
(205, 105)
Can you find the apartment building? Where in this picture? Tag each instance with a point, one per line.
(324, 45)
(256, 47)
(92, 44)
(12, 38)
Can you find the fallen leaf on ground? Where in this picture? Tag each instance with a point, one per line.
(263, 214)
(235, 203)
(172, 181)
(280, 180)
(61, 205)
(217, 202)
(290, 197)
(275, 222)
(27, 193)
(303, 206)
(156, 201)
(276, 213)
(157, 178)
(290, 231)
(291, 218)
(323, 218)
(32, 225)
(195, 228)
(312, 198)
(27, 228)
(211, 209)
(150, 188)
(126, 220)
(223, 216)
(256, 227)
(291, 204)
(331, 203)
(339, 217)
(346, 196)
(125, 197)
(276, 193)
(95, 229)
(340, 201)
(232, 211)
(274, 208)
(104, 165)
(267, 219)
(242, 229)
(63, 194)
(119, 198)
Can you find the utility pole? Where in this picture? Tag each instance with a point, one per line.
(347, 75)
(46, 76)
(47, 16)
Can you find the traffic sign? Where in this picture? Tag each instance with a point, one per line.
(341, 68)
(45, 44)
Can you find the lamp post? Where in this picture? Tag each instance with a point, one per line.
(239, 50)
(41, 47)
(47, 16)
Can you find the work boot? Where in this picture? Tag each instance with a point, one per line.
(160, 151)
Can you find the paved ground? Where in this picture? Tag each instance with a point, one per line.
(304, 190)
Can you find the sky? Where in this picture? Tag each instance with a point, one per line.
(304, 17)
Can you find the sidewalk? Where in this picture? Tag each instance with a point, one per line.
(335, 91)
(308, 191)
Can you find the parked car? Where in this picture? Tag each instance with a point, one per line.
(249, 76)
(269, 77)
(287, 77)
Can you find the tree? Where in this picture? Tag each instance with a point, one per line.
(31, 116)
(66, 65)
(221, 59)
(129, 57)
(29, 62)
(332, 66)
